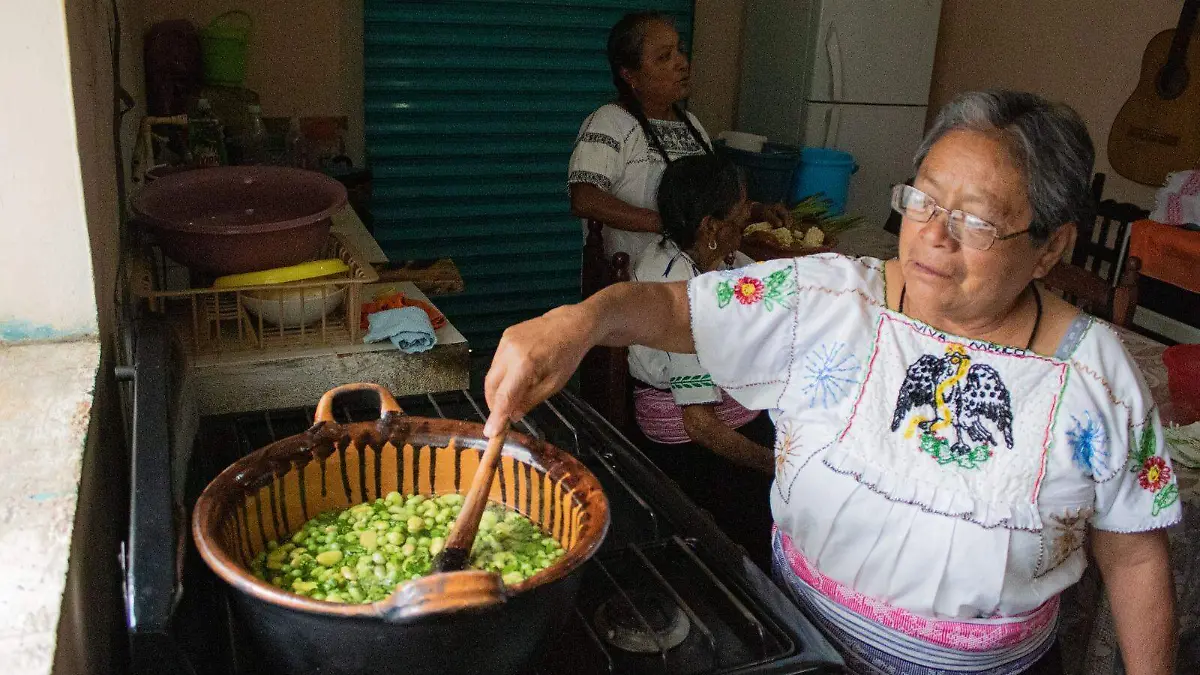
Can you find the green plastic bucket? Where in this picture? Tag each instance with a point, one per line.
(223, 43)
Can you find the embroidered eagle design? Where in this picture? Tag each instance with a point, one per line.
(962, 396)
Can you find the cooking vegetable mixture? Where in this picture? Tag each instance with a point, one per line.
(362, 553)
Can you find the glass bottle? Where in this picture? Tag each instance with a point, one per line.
(206, 141)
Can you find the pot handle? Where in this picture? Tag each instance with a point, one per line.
(387, 402)
(442, 593)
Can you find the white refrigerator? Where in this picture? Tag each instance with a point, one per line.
(846, 74)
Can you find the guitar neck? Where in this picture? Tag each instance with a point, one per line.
(1183, 34)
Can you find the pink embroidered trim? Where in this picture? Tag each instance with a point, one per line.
(1062, 382)
(1192, 186)
(957, 635)
(1174, 201)
(661, 419)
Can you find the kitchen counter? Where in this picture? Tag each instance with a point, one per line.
(250, 382)
(45, 407)
(298, 377)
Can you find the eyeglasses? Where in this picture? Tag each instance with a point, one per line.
(966, 229)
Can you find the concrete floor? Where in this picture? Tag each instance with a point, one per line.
(45, 404)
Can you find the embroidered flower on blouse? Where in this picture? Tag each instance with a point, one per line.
(1065, 534)
(748, 290)
(1089, 444)
(1155, 474)
(787, 446)
(775, 290)
(829, 372)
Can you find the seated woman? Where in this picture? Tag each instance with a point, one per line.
(684, 416)
(948, 439)
(624, 146)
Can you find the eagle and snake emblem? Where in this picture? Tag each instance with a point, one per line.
(961, 396)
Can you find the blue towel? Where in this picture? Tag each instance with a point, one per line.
(407, 327)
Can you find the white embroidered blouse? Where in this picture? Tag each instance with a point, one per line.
(949, 477)
(613, 153)
(689, 383)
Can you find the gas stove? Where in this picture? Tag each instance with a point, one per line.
(668, 592)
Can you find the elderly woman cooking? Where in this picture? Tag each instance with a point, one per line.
(948, 437)
(623, 147)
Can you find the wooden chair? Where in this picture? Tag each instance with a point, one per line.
(604, 374)
(894, 219)
(1103, 241)
(1095, 294)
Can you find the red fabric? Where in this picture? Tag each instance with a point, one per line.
(1183, 381)
(396, 301)
(661, 419)
(1168, 253)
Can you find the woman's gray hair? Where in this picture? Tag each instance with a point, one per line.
(1047, 141)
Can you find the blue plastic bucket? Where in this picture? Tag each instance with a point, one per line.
(769, 174)
(826, 171)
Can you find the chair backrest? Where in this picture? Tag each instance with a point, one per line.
(604, 373)
(1103, 240)
(894, 219)
(1094, 294)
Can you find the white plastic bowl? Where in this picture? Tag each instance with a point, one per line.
(284, 307)
(740, 140)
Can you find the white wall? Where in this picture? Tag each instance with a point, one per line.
(1086, 53)
(46, 286)
(717, 63)
(305, 57)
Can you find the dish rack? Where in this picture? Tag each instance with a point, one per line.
(214, 322)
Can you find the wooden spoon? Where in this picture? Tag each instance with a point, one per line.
(454, 555)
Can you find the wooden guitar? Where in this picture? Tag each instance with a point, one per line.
(1158, 128)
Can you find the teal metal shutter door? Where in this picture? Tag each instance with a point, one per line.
(471, 114)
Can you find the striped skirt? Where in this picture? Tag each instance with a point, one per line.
(875, 638)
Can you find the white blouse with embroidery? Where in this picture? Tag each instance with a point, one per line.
(949, 477)
(689, 383)
(613, 153)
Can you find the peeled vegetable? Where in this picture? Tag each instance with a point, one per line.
(814, 237)
(812, 227)
(783, 237)
(362, 553)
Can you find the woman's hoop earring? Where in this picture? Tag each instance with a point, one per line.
(712, 245)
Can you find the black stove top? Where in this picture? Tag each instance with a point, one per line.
(667, 593)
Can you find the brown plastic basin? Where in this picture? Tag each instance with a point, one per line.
(229, 220)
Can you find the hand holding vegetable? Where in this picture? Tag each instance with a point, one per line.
(776, 214)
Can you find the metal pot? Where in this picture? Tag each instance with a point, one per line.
(472, 623)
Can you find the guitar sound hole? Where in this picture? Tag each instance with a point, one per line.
(1172, 82)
